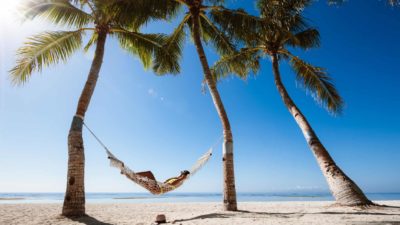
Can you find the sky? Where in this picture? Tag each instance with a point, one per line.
(165, 123)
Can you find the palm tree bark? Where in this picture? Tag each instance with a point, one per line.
(74, 200)
(345, 191)
(230, 202)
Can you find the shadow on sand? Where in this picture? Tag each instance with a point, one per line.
(388, 206)
(290, 215)
(88, 220)
(230, 215)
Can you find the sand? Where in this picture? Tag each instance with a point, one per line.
(274, 213)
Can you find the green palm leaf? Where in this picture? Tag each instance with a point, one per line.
(43, 50)
(60, 12)
(305, 39)
(91, 42)
(232, 21)
(240, 63)
(211, 34)
(139, 12)
(283, 14)
(142, 45)
(167, 61)
(316, 80)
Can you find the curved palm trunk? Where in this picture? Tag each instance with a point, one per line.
(230, 203)
(74, 201)
(345, 191)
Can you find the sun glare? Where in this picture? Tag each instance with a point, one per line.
(8, 10)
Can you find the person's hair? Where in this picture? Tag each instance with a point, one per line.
(185, 172)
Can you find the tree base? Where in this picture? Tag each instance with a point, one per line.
(366, 205)
(73, 213)
(230, 207)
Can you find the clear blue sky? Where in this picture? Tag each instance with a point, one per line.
(164, 124)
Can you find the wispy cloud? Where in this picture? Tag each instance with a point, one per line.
(177, 108)
(153, 93)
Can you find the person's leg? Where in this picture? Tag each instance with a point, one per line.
(147, 174)
(151, 184)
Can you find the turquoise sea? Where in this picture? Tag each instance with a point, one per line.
(12, 198)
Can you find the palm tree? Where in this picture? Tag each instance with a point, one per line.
(280, 27)
(101, 19)
(202, 29)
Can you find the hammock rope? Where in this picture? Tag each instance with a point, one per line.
(153, 186)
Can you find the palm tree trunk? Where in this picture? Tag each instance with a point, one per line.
(345, 191)
(74, 201)
(230, 203)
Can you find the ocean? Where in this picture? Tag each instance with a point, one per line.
(12, 198)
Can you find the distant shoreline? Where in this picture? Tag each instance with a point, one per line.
(134, 198)
(11, 199)
(110, 198)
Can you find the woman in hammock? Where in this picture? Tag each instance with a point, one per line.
(174, 181)
(147, 180)
(152, 185)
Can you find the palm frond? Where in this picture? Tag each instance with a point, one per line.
(283, 14)
(142, 45)
(167, 61)
(305, 39)
(282, 7)
(317, 81)
(60, 12)
(233, 22)
(43, 50)
(139, 12)
(211, 34)
(92, 41)
(240, 63)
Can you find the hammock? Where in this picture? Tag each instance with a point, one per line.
(153, 186)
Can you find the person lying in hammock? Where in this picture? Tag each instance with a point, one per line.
(173, 181)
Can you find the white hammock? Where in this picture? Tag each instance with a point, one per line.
(153, 186)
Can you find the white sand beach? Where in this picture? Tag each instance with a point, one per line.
(299, 213)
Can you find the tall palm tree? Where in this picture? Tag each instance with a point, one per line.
(279, 28)
(102, 18)
(202, 29)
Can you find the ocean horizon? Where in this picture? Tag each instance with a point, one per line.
(91, 197)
